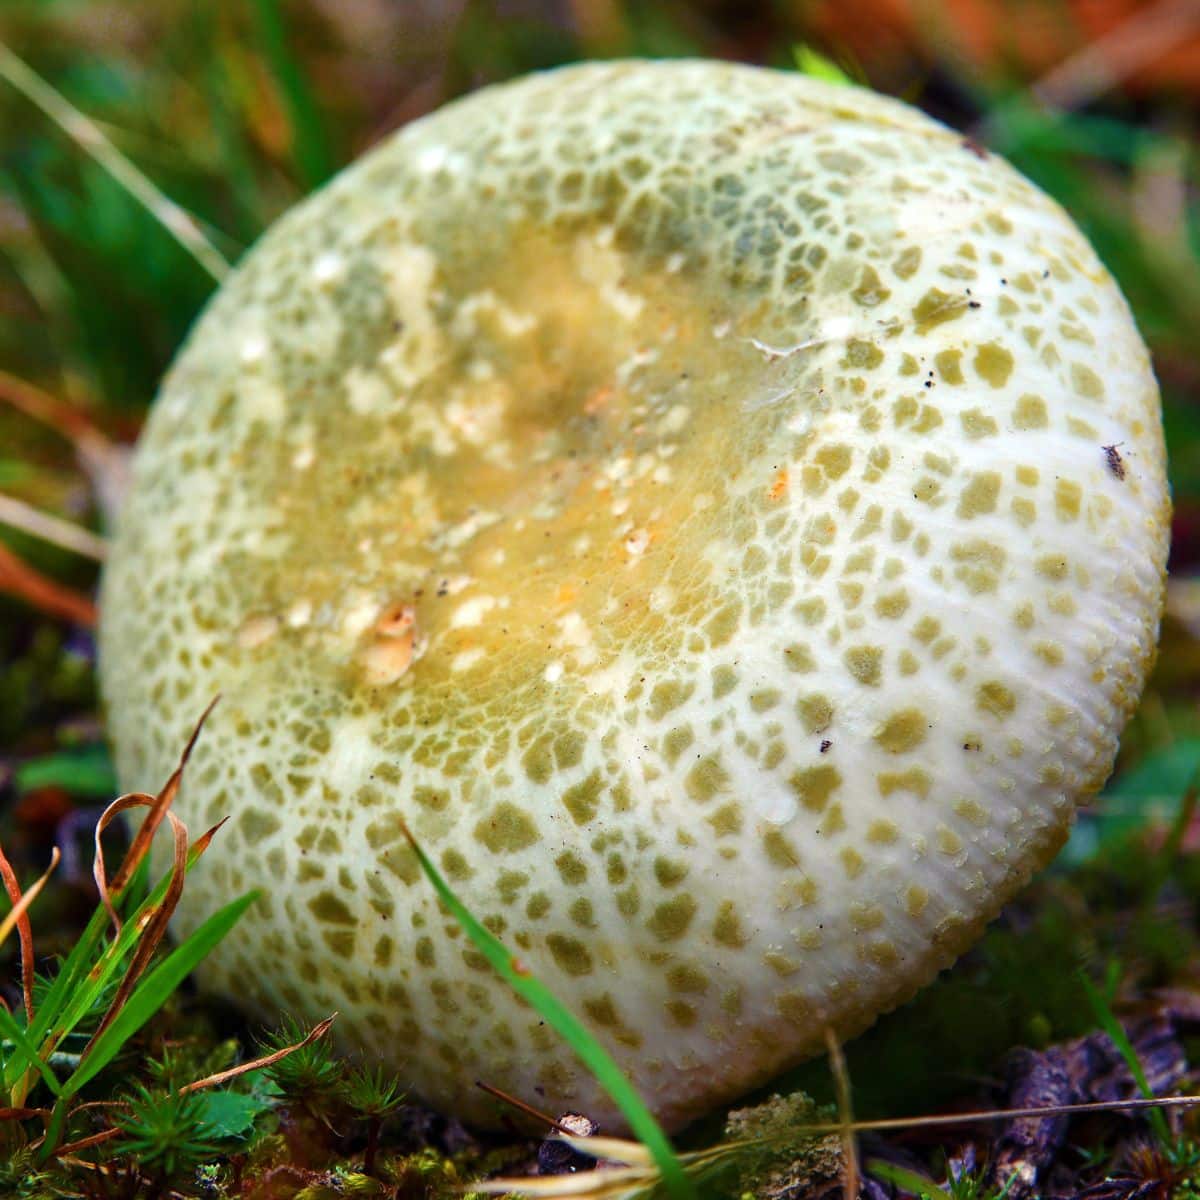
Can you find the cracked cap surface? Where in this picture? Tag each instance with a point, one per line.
(724, 515)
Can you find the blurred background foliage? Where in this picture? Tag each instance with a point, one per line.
(237, 109)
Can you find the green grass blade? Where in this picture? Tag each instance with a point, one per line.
(54, 1129)
(82, 977)
(1015, 126)
(138, 889)
(88, 136)
(235, 155)
(590, 1052)
(1116, 1032)
(224, 99)
(310, 148)
(1168, 858)
(27, 1050)
(908, 1181)
(815, 65)
(150, 995)
(66, 982)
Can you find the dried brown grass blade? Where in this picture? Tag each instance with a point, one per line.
(99, 873)
(123, 804)
(154, 932)
(841, 1082)
(156, 921)
(18, 917)
(616, 1150)
(163, 801)
(95, 1139)
(18, 578)
(317, 1031)
(605, 1183)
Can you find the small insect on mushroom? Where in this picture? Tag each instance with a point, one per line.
(739, 688)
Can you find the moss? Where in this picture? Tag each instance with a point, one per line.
(777, 1160)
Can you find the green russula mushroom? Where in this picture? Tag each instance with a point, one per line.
(722, 514)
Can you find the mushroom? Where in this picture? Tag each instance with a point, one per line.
(684, 494)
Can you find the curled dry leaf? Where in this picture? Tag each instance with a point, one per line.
(156, 919)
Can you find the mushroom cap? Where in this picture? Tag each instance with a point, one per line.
(722, 513)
